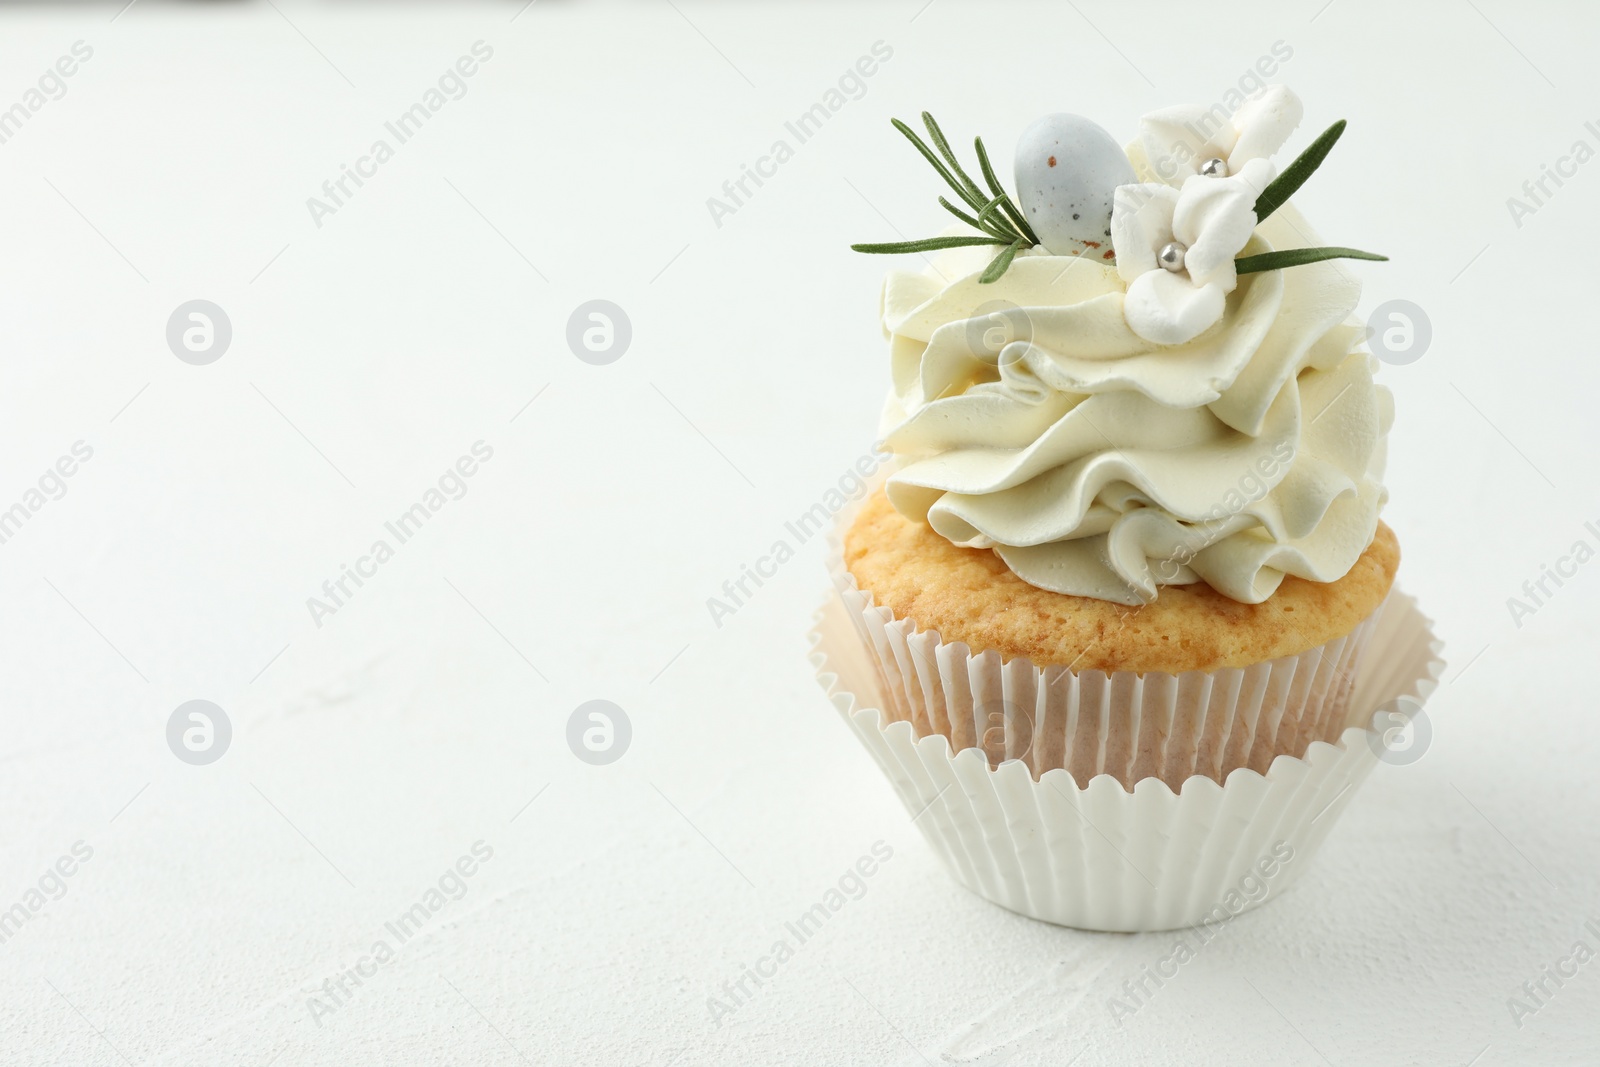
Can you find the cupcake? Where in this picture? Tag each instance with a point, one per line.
(1117, 620)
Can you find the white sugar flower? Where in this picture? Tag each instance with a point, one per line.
(1175, 249)
(1180, 141)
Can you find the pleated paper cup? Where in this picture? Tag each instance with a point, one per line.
(1098, 800)
(1125, 724)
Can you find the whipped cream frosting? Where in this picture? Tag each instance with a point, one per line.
(1027, 416)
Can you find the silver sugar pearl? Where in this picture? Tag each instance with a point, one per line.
(1215, 167)
(1171, 256)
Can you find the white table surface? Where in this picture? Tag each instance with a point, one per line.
(368, 354)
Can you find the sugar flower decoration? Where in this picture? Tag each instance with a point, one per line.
(1180, 141)
(1176, 247)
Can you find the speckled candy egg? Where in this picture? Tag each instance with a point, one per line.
(1067, 170)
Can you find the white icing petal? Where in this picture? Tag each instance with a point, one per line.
(1214, 218)
(1177, 140)
(1169, 309)
(1264, 124)
(1141, 222)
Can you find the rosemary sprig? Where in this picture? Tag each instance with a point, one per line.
(927, 153)
(1000, 263)
(1294, 257)
(987, 215)
(1012, 211)
(968, 219)
(927, 244)
(1285, 185)
(937, 136)
(1278, 192)
(997, 216)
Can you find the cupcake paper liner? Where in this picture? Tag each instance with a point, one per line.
(1126, 724)
(1004, 808)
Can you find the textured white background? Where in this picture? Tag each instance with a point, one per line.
(374, 750)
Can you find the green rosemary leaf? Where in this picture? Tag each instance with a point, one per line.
(988, 213)
(999, 264)
(943, 146)
(987, 168)
(958, 213)
(1021, 223)
(997, 218)
(970, 221)
(927, 153)
(994, 223)
(997, 189)
(1276, 194)
(1294, 257)
(930, 244)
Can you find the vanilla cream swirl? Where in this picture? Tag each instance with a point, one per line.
(1025, 416)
